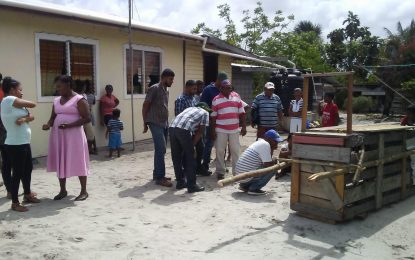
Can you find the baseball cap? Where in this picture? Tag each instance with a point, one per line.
(269, 85)
(226, 83)
(222, 76)
(204, 106)
(272, 134)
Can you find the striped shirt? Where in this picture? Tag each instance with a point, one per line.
(115, 126)
(191, 118)
(268, 108)
(226, 111)
(182, 102)
(296, 106)
(254, 157)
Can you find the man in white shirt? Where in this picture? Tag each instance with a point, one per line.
(258, 155)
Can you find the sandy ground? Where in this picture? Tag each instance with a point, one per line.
(128, 217)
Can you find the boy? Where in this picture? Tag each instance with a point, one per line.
(296, 107)
(114, 128)
(329, 112)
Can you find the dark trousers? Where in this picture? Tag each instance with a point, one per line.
(200, 146)
(207, 150)
(182, 154)
(20, 158)
(6, 171)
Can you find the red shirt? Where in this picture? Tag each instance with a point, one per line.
(1, 94)
(107, 104)
(329, 117)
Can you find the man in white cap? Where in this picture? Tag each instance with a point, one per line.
(266, 110)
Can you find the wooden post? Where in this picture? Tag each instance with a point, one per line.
(349, 103)
(379, 176)
(295, 182)
(305, 104)
(404, 177)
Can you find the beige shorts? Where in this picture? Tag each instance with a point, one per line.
(89, 132)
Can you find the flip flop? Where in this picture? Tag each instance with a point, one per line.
(61, 195)
(82, 197)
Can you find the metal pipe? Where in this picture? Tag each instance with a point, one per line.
(131, 70)
(239, 56)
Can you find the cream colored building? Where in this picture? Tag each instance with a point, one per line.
(38, 43)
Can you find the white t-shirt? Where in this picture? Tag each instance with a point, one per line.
(254, 157)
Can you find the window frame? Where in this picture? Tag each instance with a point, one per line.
(143, 48)
(67, 39)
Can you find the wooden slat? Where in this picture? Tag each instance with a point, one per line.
(373, 128)
(331, 193)
(404, 171)
(370, 173)
(379, 177)
(305, 105)
(323, 153)
(318, 140)
(373, 155)
(316, 202)
(295, 182)
(340, 186)
(311, 188)
(317, 212)
(314, 168)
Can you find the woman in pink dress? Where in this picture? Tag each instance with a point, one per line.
(68, 154)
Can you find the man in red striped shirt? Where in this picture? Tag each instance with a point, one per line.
(228, 112)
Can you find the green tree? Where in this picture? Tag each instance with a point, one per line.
(307, 26)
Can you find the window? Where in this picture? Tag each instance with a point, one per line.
(146, 68)
(61, 55)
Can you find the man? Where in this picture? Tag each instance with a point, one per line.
(329, 111)
(186, 99)
(185, 132)
(155, 115)
(199, 89)
(409, 118)
(208, 94)
(228, 112)
(295, 111)
(258, 155)
(267, 110)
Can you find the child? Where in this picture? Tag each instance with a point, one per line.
(296, 107)
(329, 112)
(114, 128)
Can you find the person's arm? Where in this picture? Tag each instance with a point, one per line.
(85, 116)
(242, 118)
(51, 120)
(122, 126)
(25, 119)
(198, 135)
(336, 116)
(320, 108)
(117, 102)
(146, 107)
(106, 132)
(177, 106)
(213, 128)
(291, 113)
(21, 103)
(101, 111)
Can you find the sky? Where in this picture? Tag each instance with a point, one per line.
(181, 15)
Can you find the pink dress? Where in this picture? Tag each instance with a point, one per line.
(68, 154)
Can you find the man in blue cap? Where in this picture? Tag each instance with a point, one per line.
(258, 155)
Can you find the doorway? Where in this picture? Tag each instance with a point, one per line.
(210, 67)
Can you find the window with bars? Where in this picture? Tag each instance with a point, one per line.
(146, 69)
(59, 55)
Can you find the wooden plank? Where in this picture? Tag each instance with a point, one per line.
(404, 170)
(314, 168)
(317, 202)
(394, 137)
(305, 105)
(331, 193)
(311, 188)
(335, 141)
(369, 189)
(340, 186)
(373, 155)
(370, 139)
(370, 173)
(317, 212)
(379, 176)
(374, 128)
(323, 153)
(295, 182)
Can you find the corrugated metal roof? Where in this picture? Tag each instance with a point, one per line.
(93, 17)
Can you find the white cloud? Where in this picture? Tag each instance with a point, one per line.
(184, 15)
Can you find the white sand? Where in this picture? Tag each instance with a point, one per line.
(128, 217)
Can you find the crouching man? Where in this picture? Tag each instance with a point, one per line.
(185, 132)
(258, 155)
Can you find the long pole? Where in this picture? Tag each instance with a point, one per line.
(132, 70)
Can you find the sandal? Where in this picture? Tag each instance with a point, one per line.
(19, 208)
(61, 195)
(82, 197)
(31, 198)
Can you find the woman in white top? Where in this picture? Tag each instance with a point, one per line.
(296, 107)
(16, 117)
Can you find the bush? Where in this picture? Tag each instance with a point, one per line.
(340, 97)
(360, 104)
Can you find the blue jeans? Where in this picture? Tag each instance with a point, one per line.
(159, 135)
(207, 149)
(258, 182)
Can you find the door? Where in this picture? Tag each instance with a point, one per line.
(210, 67)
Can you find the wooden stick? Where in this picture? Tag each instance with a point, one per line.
(252, 174)
(325, 175)
(359, 168)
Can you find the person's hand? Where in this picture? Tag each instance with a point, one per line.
(20, 121)
(63, 126)
(252, 125)
(213, 135)
(243, 131)
(145, 128)
(46, 127)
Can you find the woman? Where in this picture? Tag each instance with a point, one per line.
(68, 148)
(107, 103)
(15, 118)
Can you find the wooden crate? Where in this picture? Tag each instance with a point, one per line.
(339, 198)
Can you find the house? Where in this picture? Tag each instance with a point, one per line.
(38, 43)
